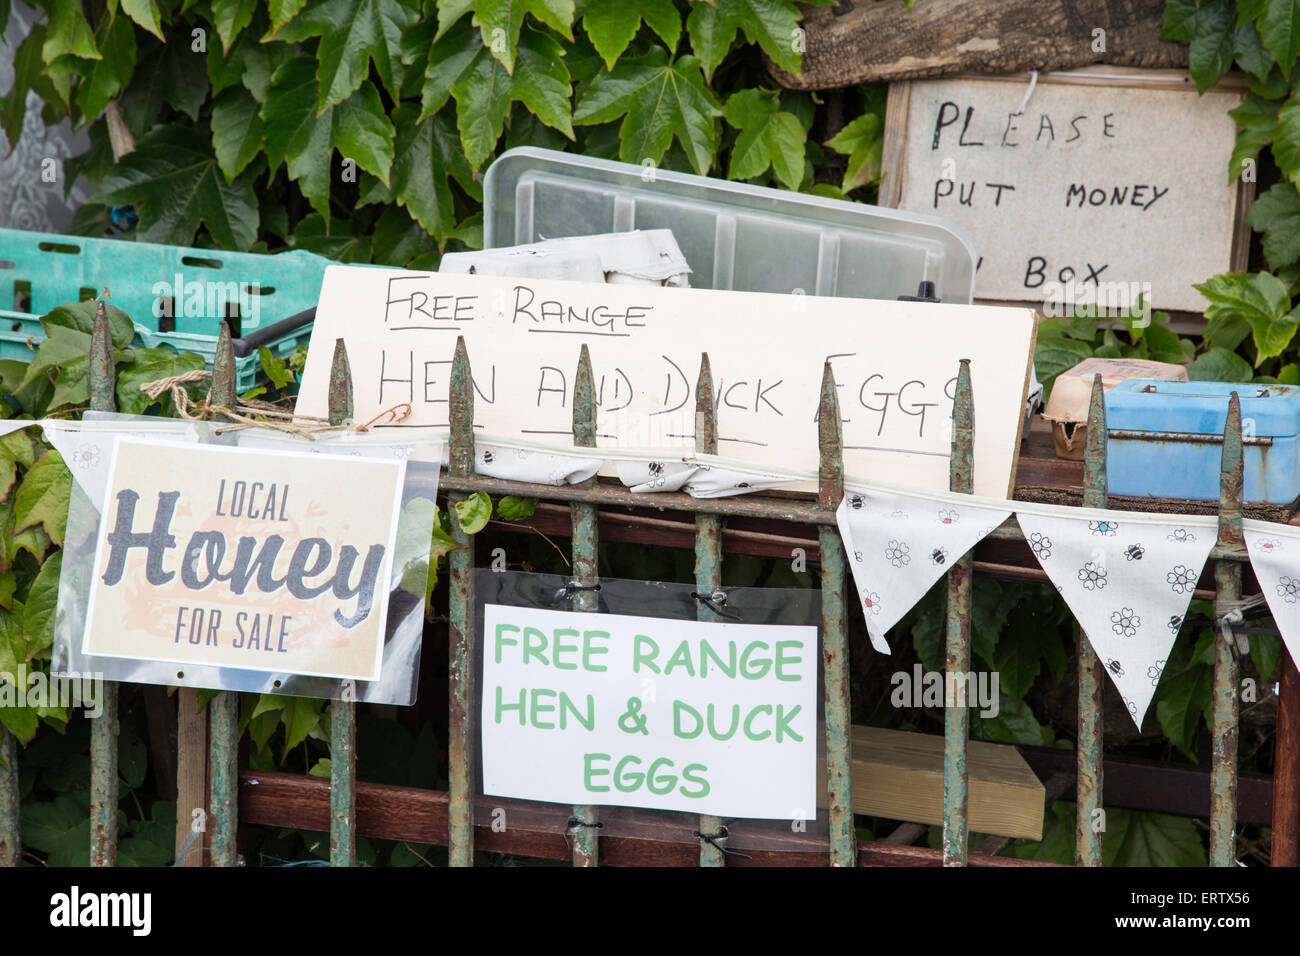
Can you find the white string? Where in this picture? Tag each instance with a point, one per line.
(1033, 82)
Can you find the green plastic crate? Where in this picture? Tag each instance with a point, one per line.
(176, 296)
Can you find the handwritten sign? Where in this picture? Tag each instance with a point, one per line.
(895, 365)
(1096, 189)
(265, 561)
(649, 712)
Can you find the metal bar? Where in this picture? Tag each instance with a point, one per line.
(708, 570)
(1192, 438)
(1286, 768)
(461, 744)
(585, 550)
(835, 645)
(1089, 819)
(11, 842)
(343, 712)
(104, 728)
(1225, 702)
(956, 718)
(223, 709)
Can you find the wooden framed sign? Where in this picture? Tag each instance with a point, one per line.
(1092, 187)
(895, 364)
(244, 558)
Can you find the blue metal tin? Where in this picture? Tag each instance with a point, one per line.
(1165, 439)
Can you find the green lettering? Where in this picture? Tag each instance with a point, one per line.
(588, 650)
(565, 648)
(678, 731)
(761, 708)
(627, 782)
(689, 775)
(638, 657)
(681, 658)
(539, 707)
(782, 660)
(501, 707)
(783, 728)
(538, 651)
(666, 783)
(566, 707)
(588, 772)
(499, 640)
(760, 669)
(707, 651)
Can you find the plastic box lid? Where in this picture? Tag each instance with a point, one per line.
(734, 235)
(1201, 408)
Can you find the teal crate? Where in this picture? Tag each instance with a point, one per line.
(176, 296)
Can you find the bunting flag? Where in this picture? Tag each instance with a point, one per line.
(899, 544)
(1275, 555)
(1127, 578)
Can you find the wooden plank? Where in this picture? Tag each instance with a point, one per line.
(191, 776)
(899, 775)
(628, 837)
(875, 41)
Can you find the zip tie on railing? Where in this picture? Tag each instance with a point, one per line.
(718, 842)
(185, 850)
(573, 587)
(576, 824)
(1228, 613)
(1033, 81)
(715, 602)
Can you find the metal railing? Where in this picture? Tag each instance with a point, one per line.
(841, 848)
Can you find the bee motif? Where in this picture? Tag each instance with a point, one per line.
(1134, 552)
(938, 556)
(742, 484)
(487, 457)
(1115, 667)
(656, 468)
(855, 502)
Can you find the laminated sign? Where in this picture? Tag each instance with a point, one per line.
(245, 558)
(714, 718)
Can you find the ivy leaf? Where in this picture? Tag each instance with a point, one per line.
(473, 512)
(1211, 51)
(230, 18)
(863, 142)
(1286, 139)
(768, 137)
(145, 13)
(450, 59)
(657, 101)
(399, 238)
(1257, 124)
(301, 716)
(42, 498)
(62, 358)
(1219, 365)
(1151, 839)
(1277, 215)
(1249, 51)
(499, 22)
(60, 829)
(514, 508)
(282, 11)
(313, 234)
(236, 131)
(15, 450)
(249, 63)
(1248, 10)
(173, 178)
(427, 155)
(1279, 28)
(1261, 299)
(68, 32)
(80, 317)
(34, 540)
(354, 34)
(484, 92)
(42, 600)
(106, 78)
(772, 24)
(358, 128)
(1053, 354)
(28, 72)
(611, 26)
(149, 366)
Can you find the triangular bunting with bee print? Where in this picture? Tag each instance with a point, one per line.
(1128, 578)
(899, 544)
(1275, 556)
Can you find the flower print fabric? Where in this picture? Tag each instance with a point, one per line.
(899, 545)
(1275, 556)
(1128, 579)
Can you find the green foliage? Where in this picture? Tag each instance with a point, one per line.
(360, 128)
